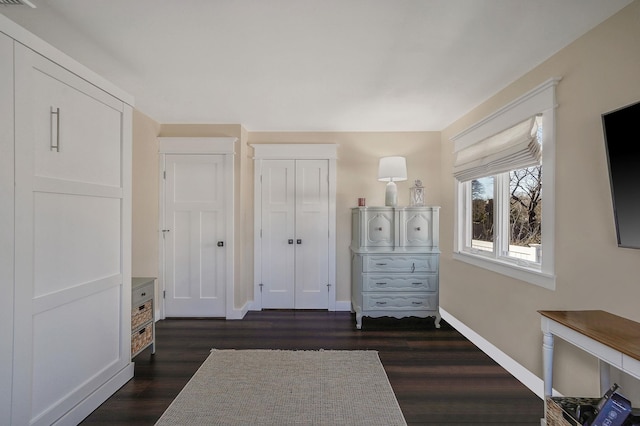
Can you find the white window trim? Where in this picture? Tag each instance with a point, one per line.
(542, 100)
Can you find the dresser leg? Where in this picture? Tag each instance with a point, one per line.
(358, 321)
(437, 321)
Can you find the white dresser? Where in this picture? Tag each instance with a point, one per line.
(394, 262)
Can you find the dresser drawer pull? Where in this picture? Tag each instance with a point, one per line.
(141, 308)
(381, 264)
(381, 303)
(381, 283)
(416, 283)
(413, 268)
(143, 294)
(416, 303)
(142, 330)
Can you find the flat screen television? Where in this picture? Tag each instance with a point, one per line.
(622, 141)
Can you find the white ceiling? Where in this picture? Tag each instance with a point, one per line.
(305, 65)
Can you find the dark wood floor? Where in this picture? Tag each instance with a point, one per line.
(439, 377)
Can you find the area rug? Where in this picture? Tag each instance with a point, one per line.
(273, 387)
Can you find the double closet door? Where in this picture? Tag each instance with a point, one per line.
(294, 247)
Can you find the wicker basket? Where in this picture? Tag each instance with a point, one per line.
(558, 410)
(141, 314)
(141, 338)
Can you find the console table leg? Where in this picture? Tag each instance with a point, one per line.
(547, 362)
(605, 376)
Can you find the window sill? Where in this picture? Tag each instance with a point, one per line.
(514, 271)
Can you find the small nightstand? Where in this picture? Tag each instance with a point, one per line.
(143, 328)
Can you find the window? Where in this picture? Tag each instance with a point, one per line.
(503, 166)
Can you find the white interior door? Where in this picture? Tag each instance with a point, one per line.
(278, 234)
(194, 235)
(295, 234)
(312, 235)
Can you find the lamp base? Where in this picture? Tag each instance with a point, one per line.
(391, 195)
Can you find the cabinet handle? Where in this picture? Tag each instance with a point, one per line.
(55, 146)
(418, 228)
(290, 241)
(416, 303)
(416, 283)
(381, 283)
(143, 294)
(381, 303)
(380, 264)
(379, 229)
(141, 308)
(298, 241)
(413, 267)
(142, 330)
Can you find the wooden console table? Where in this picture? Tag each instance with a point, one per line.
(614, 340)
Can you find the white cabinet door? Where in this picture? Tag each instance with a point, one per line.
(72, 239)
(295, 234)
(195, 246)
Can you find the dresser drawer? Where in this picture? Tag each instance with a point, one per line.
(400, 263)
(400, 282)
(141, 314)
(142, 294)
(400, 301)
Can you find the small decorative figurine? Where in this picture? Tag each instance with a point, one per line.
(416, 193)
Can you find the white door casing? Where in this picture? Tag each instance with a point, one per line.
(288, 225)
(196, 227)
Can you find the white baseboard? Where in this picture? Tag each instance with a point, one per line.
(237, 314)
(96, 398)
(343, 305)
(526, 377)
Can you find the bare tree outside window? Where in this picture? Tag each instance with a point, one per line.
(482, 213)
(525, 221)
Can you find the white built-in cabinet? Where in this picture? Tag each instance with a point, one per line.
(395, 262)
(295, 226)
(66, 217)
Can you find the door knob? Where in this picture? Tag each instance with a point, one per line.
(220, 243)
(291, 241)
(299, 241)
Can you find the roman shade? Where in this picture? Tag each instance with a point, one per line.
(514, 148)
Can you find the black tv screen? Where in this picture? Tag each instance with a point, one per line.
(622, 141)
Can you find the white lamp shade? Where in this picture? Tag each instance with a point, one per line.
(392, 169)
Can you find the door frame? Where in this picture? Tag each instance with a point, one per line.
(199, 146)
(318, 151)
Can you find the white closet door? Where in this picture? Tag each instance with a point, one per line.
(278, 234)
(195, 246)
(295, 234)
(312, 231)
(72, 234)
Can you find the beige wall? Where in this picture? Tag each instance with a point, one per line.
(145, 196)
(600, 72)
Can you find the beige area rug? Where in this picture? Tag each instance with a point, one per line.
(272, 387)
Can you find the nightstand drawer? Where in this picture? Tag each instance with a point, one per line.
(142, 294)
(141, 314)
(400, 301)
(141, 338)
(400, 282)
(400, 263)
